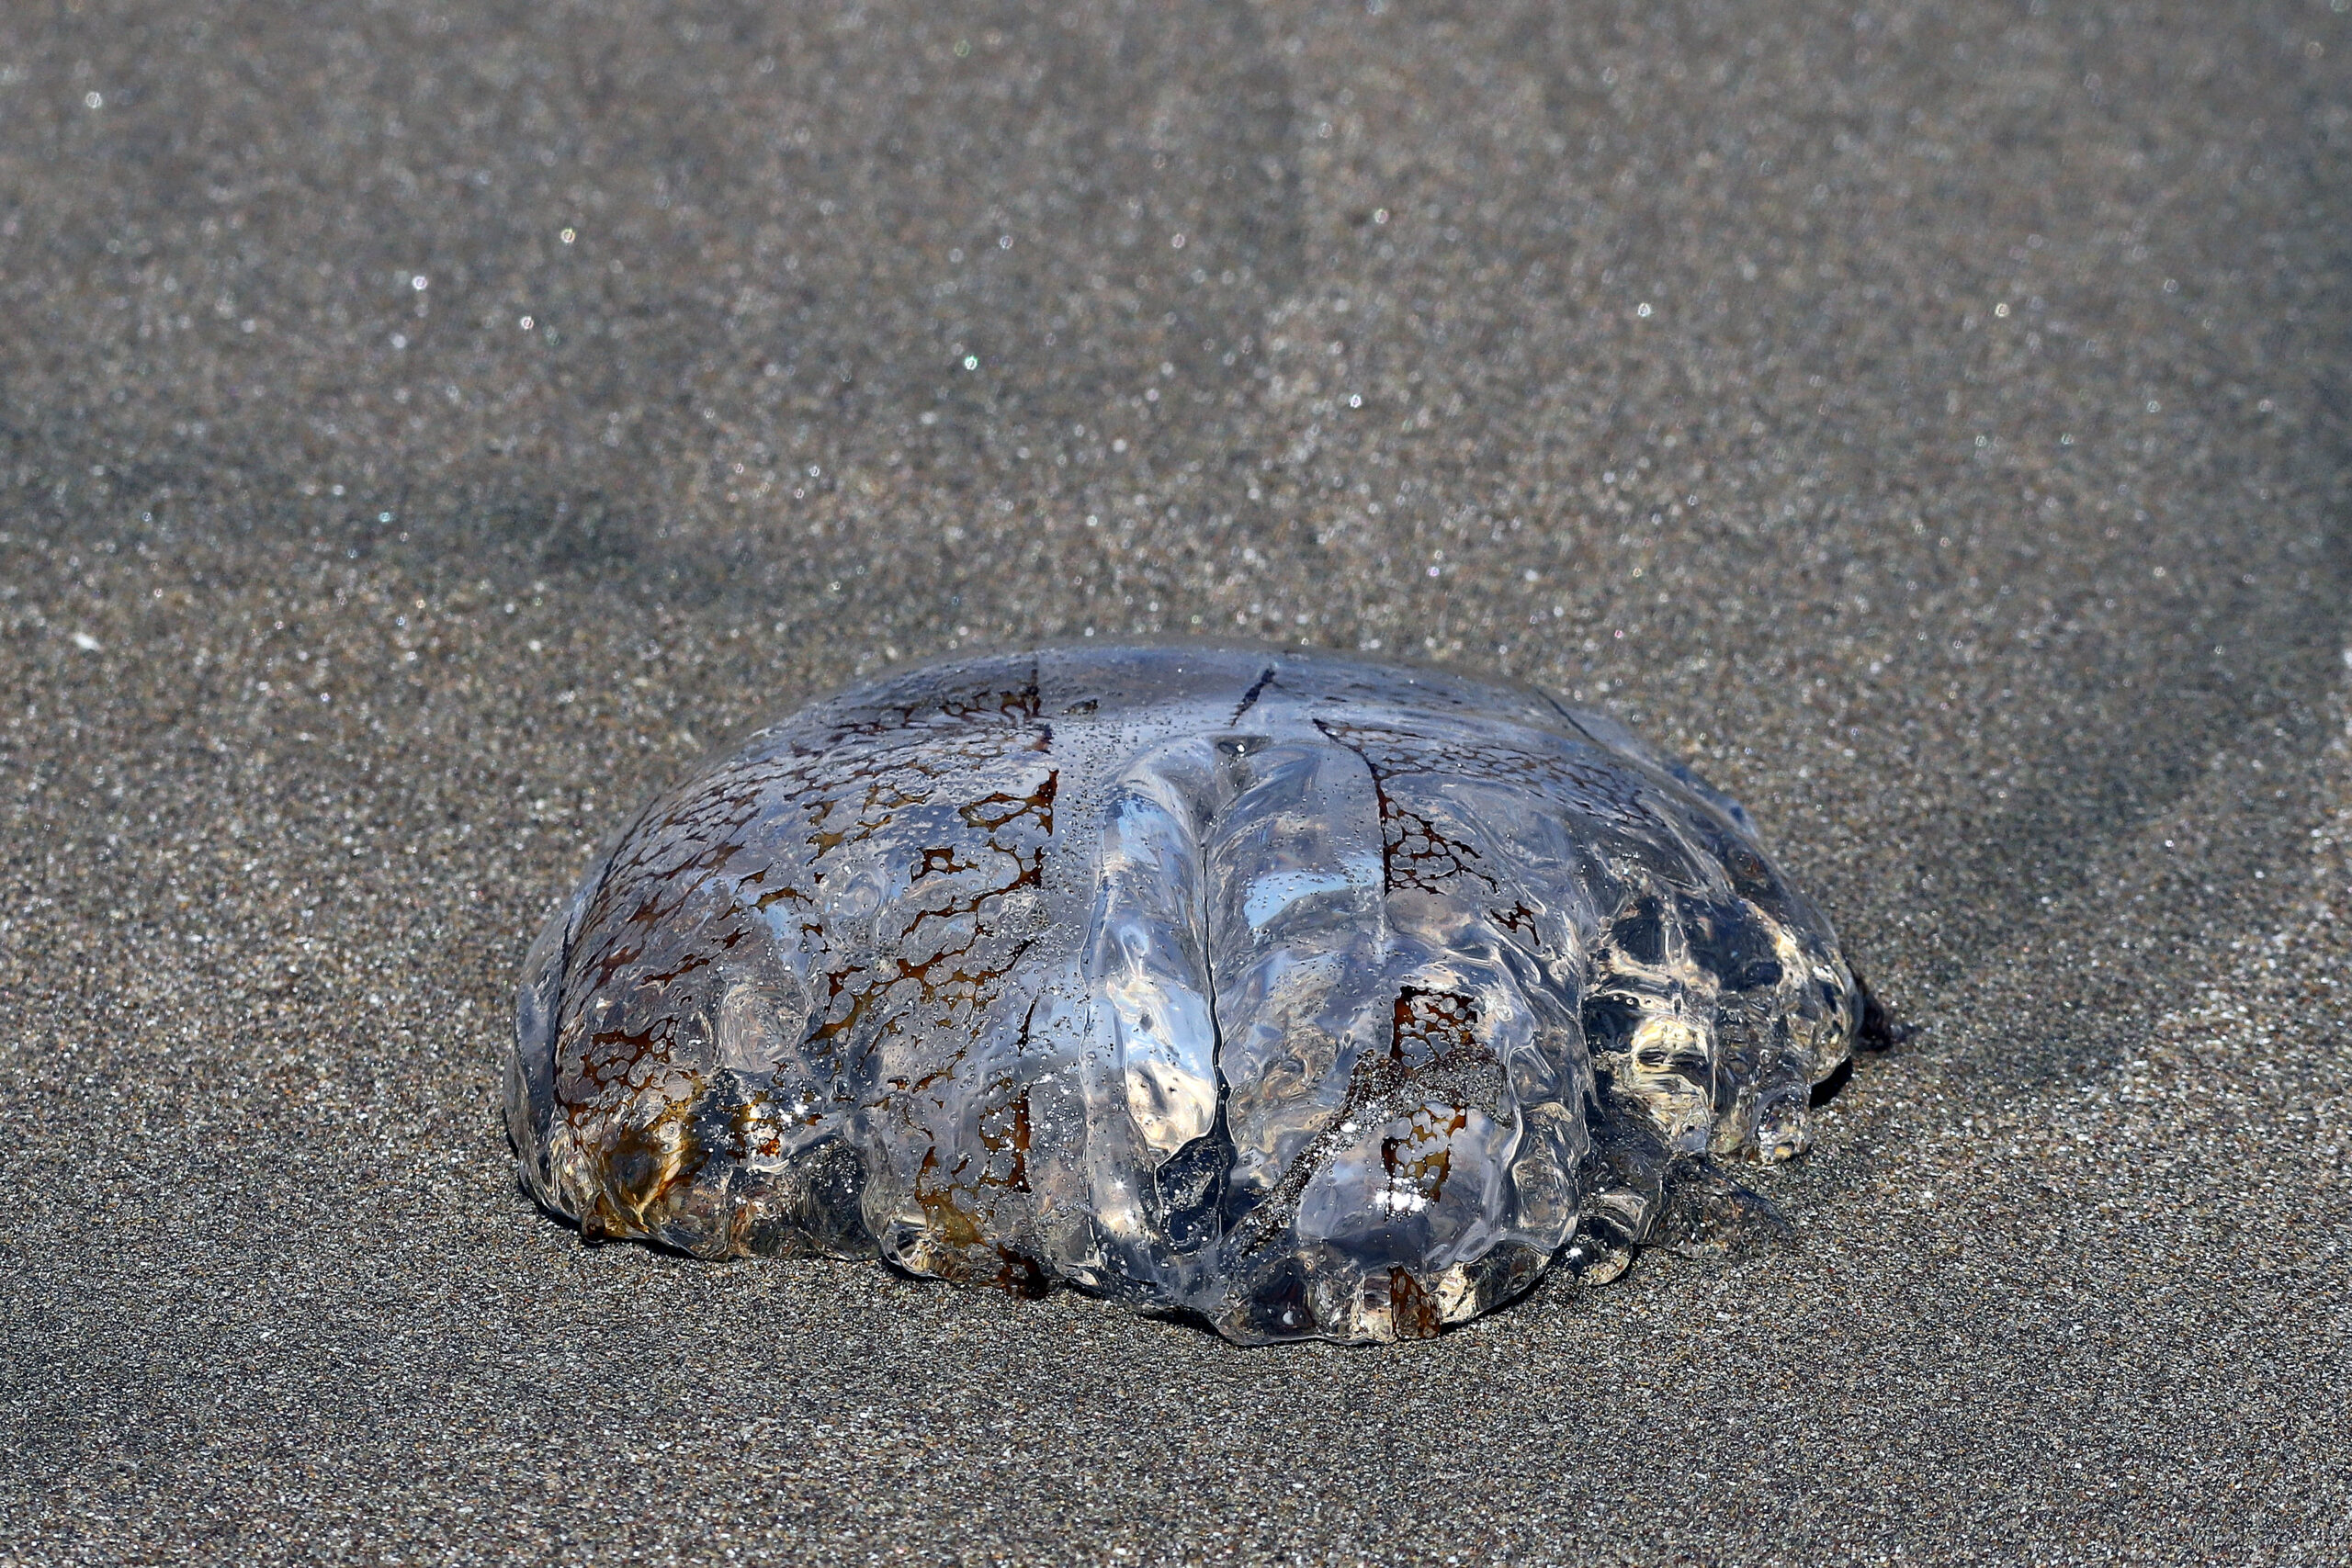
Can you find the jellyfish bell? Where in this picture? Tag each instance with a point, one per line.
(1312, 997)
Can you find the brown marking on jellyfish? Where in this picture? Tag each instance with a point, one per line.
(1037, 803)
(691, 843)
(1010, 1132)
(1429, 1140)
(1022, 704)
(644, 891)
(956, 1211)
(938, 1000)
(761, 1135)
(1426, 1024)
(938, 861)
(1018, 702)
(642, 1166)
(1413, 1312)
(1416, 853)
(1397, 750)
(965, 990)
(1434, 1059)
(1250, 698)
(1021, 1275)
(1520, 920)
(943, 1217)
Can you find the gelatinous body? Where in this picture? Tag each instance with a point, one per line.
(1313, 997)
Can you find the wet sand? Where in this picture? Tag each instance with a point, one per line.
(425, 431)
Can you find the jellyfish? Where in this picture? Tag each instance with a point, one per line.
(1298, 995)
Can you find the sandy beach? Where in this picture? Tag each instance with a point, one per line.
(425, 432)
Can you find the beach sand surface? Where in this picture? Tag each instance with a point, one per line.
(424, 430)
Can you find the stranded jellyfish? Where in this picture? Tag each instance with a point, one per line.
(1314, 998)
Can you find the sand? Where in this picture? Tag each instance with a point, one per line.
(424, 430)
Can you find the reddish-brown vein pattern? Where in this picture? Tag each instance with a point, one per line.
(901, 974)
